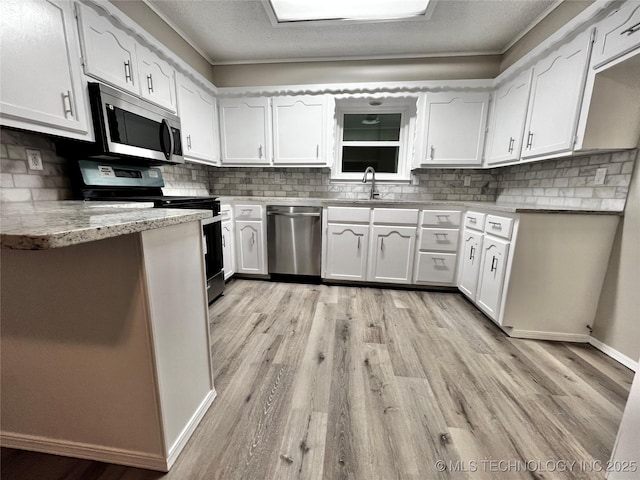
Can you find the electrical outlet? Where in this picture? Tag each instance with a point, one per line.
(34, 159)
(467, 180)
(601, 174)
(415, 180)
(193, 175)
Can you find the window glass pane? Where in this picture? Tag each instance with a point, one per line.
(371, 127)
(382, 159)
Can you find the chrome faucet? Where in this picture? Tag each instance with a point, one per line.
(373, 194)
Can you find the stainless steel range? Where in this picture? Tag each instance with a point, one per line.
(134, 183)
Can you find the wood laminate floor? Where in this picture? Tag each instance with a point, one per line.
(333, 382)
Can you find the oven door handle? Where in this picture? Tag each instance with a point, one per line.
(169, 153)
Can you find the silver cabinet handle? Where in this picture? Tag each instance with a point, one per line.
(318, 150)
(66, 100)
(529, 140)
(496, 225)
(224, 244)
(358, 243)
(442, 216)
(381, 244)
(511, 142)
(189, 142)
(441, 234)
(127, 71)
(253, 238)
(260, 151)
(432, 152)
(150, 83)
(494, 263)
(472, 253)
(438, 259)
(472, 219)
(631, 30)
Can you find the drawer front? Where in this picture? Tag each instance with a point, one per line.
(225, 212)
(618, 34)
(348, 215)
(437, 268)
(440, 218)
(474, 220)
(395, 216)
(248, 212)
(439, 239)
(499, 226)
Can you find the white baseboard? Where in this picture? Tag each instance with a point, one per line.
(83, 450)
(555, 336)
(188, 430)
(615, 354)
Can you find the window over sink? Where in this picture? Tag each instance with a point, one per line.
(374, 133)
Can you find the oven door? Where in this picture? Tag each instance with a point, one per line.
(212, 233)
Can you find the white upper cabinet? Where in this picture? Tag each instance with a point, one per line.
(617, 34)
(41, 82)
(109, 53)
(197, 111)
(245, 131)
(508, 115)
(299, 130)
(157, 78)
(556, 93)
(455, 124)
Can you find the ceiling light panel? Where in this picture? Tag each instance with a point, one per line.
(362, 10)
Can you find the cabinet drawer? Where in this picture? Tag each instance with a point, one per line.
(440, 218)
(248, 212)
(498, 226)
(225, 212)
(436, 268)
(395, 216)
(440, 239)
(474, 220)
(348, 215)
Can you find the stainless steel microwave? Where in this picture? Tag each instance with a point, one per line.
(129, 128)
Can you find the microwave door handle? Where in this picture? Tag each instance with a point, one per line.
(169, 153)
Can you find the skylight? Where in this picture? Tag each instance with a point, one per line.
(358, 10)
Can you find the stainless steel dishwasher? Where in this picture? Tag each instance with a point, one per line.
(294, 240)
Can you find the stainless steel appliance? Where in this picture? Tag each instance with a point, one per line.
(127, 128)
(294, 240)
(135, 183)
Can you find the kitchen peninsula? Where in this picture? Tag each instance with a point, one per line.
(105, 347)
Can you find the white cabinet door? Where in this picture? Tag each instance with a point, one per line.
(508, 116)
(435, 268)
(41, 80)
(245, 131)
(109, 53)
(250, 243)
(556, 93)
(392, 253)
(455, 128)
(618, 34)
(157, 78)
(299, 130)
(228, 249)
(196, 109)
(347, 247)
(470, 263)
(492, 271)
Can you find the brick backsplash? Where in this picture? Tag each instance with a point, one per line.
(569, 182)
(19, 183)
(432, 184)
(558, 182)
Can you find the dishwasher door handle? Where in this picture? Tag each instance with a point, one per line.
(282, 214)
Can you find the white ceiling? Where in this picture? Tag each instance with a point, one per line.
(241, 31)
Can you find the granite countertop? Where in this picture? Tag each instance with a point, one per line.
(496, 207)
(43, 225)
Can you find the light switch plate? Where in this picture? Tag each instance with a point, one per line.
(34, 159)
(601, 174)
(467, 180)
(193, 175)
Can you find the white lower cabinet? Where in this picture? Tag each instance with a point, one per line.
(471, 249)
(435, 267)
(391, 257)
(228, 250)
(492, 272)
(347, 247)
(250, 241)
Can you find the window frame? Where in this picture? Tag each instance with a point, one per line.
(406, 107)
